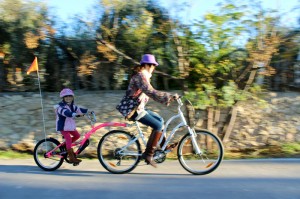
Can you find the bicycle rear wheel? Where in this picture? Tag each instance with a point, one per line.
(206, 162)
(118, 153)
(48, 163)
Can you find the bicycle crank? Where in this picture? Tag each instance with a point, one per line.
(159, 156)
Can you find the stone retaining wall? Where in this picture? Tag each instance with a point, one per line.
(21, 121)
(263, 125)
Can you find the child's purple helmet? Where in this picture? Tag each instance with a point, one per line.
(66, 91)
(148, 59)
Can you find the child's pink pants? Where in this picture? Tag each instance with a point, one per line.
(69, 139)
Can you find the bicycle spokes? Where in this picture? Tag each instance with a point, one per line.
(118, 152)
(47, 154)
(210, 156)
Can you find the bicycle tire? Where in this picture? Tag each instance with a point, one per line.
(211, 157)
(109, 149)
(47, 164)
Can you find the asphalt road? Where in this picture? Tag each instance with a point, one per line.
(234, 179)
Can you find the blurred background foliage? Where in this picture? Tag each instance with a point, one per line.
(219, 59)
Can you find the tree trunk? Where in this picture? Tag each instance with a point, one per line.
(210, 125)
(250, 79)
(217, 117)
(210, 119)
(2, 79)
(228, 127)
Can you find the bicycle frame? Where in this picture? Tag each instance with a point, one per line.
(183, 123)
(94, 129)
(87, 135)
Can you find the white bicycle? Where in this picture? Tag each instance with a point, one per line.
(199, 152)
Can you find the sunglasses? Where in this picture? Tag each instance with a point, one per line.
(151, 64)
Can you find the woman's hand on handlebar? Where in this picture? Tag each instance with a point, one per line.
(176, 96)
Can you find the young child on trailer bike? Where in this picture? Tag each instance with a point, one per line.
(66, 111)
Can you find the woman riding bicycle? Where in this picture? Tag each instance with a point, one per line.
(140, 87)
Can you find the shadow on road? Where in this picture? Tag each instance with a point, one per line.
(36, 170)
(30, 169)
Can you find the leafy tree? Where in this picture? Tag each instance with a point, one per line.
(23, 24)
(223, 66)
(135, 27)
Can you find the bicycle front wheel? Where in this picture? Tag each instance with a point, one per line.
(119, 152)
(42, 148)
(209, 158)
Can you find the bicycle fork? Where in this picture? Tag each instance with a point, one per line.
(197, 148)
(194, 142)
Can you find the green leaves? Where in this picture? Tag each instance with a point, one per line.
(218, 58)
(209, 96)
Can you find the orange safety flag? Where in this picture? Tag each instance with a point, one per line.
(33, 67)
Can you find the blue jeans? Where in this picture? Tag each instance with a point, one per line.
(153, 120)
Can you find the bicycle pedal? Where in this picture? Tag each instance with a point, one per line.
(75, 164)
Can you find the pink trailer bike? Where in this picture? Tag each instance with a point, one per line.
(199, 151)
(49, 154)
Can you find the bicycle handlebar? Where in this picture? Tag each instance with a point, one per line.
(179, 101)
(92, 117)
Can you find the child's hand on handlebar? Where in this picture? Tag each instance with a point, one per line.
(79, 115)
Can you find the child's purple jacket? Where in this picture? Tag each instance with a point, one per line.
(65, 115)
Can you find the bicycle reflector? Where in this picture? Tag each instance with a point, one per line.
(122, 137)
(209, 165)
(112, 164)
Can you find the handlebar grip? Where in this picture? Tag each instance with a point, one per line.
(176, 97)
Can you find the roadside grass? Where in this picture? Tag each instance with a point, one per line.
(291, 148)
(10, 154)
(285, 150)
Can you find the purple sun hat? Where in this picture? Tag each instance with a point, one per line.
(148, 59)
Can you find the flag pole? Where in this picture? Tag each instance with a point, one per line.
(44, 126)
(34, 67)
